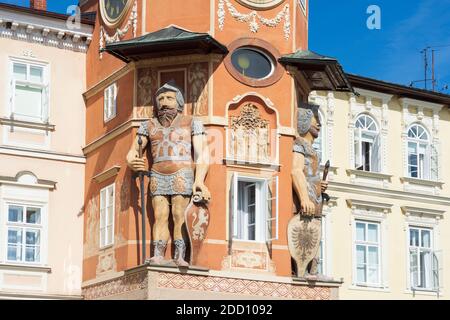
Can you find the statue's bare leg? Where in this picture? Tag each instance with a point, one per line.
(161, 208)
(179, 205)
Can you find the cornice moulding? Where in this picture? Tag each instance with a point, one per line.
(44, 30)
(430, 183)
(369, 174)
(109, 173)
(356, 203)
(420, 103)
(102, 84)
(374, 94)
(420, 211)
(388, 193)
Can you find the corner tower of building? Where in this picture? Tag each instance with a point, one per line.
(242, 67)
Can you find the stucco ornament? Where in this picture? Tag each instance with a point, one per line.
(254, 18)
(120, 33)
(249, 135)
(198, 83)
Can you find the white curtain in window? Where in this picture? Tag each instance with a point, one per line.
(28, 101)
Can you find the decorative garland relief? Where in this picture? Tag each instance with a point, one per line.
(253, 18)
(120, 33)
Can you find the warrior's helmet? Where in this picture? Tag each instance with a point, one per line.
(305, 114)
(170, 86)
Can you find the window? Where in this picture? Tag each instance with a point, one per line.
(367, 144)
(29, 92)
(107, 216)
(110, 102)
(422, 156)
(423, 260)
(254, 209)
(319, 142)
(252, 63)
(24, 229)
(367, 249)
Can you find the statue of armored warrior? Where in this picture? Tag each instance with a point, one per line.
(175, 174)
(305, 228)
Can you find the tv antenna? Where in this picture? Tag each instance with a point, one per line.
(433, 80)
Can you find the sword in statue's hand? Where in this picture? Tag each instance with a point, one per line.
(325, 196)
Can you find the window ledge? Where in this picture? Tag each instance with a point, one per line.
(27, 124)
(251, 164)
(331, 169)
(367, 177)
(424, 292)
(24, 267)
(423, 182)
(369, 288)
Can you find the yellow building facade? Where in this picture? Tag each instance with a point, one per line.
(386, 230)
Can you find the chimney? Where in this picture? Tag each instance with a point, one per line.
(38, 4)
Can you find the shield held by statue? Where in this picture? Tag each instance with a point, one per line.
(197, 218)
(304, 235)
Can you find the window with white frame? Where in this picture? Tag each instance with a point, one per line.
(110, 102)
(107, 196)
(254, 208)
(319, 142)
(24, 230)
(29, 91)
(367, 144)
(367, 253)
(422, 156)
(423, 260)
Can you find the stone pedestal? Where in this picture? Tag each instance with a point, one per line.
(173, 283)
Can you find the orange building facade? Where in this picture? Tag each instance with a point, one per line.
(250, 121)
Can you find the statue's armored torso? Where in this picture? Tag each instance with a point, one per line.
(172, 171)
(311, 172)
(171, 147)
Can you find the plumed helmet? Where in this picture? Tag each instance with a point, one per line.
(305, 114)
(170, 86)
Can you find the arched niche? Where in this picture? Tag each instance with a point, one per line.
(252, 132)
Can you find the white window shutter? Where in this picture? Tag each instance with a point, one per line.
(114, 101)
(375, 155)
(45, 103)
(105, 103)
(272, 209)
(413, 268)
(232, 212)
(427, 163)
(102, 217)
(437, 270)
(12, 97)
(358, 148)
(434, 163)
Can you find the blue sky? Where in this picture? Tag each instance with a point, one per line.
(391, 53)
(338, 29)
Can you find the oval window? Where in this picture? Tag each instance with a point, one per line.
(252, 63)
